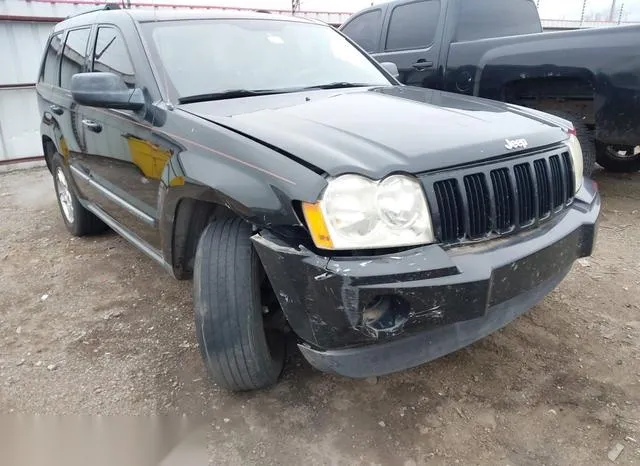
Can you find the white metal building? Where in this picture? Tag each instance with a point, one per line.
(24, 28)
(21, 45)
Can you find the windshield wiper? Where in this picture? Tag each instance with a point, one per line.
(338, 85)
(229, 94)
(238, 93)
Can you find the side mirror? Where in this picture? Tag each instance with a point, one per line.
(391, 68)
(106, 90)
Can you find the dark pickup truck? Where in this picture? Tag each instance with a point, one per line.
(496, 49)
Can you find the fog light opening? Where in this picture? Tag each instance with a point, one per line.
(385, 313)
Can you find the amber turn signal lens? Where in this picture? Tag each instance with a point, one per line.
(317, 226)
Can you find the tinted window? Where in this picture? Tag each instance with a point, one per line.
(365, 30)
(255, 55)
(413, 25)
(73, 55)
(111, 55)
(50, 70)
(482, 19)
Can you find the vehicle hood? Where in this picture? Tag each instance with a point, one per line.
(377, 131)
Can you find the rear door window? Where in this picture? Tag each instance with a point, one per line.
(111, 55)
(413, 25)
(74, 55)
(51, 68)
(364, 30)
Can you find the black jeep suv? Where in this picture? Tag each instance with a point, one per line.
(305, 190)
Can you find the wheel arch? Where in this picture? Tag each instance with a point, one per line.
(48, 149)
(187, 213)
(195, 188)
(575, 95)
(191, 217)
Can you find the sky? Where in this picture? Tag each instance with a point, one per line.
(572, 9)
(549, 9)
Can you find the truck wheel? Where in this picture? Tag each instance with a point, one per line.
(239, 324)
(78, 220)
(621, 159)
(585, 136)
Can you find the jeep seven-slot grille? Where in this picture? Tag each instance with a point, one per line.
(491, 200)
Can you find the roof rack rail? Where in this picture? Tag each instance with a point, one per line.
(105, 7)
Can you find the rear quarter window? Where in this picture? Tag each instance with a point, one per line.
(50, 66)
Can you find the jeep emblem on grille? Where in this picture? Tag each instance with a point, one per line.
(516, 144)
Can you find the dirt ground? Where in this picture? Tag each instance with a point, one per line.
(91, 326)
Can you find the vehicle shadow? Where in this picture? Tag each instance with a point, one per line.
(617, 184)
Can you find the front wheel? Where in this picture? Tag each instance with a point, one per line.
(239, 324)
(621, 159)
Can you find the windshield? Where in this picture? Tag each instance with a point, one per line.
(215, 56)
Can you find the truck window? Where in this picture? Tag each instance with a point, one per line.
(364, 30)
(483, 19)
(50, 68)
(111, 55)
(413, 25)
(73, 55)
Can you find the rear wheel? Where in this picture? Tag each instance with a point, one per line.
(621, 159)
(239, 324)
(78, 220)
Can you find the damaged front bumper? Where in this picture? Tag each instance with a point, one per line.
(373, 315)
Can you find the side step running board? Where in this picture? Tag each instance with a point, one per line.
(126, 234)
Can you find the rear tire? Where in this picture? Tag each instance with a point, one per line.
(586, 138)
(231, 311)
(611, 160)
(78, 220)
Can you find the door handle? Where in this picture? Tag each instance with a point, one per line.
(92, 125)
(421, 65)
(56, 109)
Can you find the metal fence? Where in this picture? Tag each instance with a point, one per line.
(21, 46)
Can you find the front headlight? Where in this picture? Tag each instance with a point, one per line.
(578, 161)
(358, 213)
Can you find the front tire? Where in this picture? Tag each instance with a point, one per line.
(240, 350)
(620, 159)
(78, 220)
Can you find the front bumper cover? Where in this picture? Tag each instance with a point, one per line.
(373, 315)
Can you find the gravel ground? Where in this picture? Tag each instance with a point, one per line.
(91, 326)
